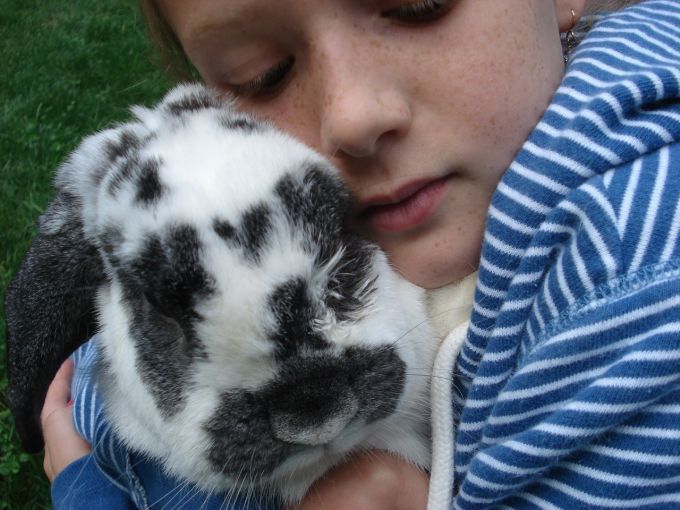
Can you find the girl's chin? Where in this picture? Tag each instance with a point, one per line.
(435, 264)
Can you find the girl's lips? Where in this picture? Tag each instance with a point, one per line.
(417, 203)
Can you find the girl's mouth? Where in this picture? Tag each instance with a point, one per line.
(408, 207)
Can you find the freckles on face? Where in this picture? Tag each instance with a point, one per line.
(393, 102)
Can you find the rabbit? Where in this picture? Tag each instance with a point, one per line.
(248, 337)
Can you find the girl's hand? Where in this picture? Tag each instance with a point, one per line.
(63, 445)
(374, 481)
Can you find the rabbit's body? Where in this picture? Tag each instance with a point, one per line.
(248, 338)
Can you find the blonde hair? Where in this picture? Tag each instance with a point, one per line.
(171, 57)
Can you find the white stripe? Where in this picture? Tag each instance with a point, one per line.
(635, 382)
(510, 222)
(530, 278)
(602, 408)
(540, 179)
(652, 41)
(535, 451)
(631, 189)
(564, 285)
(635, 455)
(652, 208)
(568, 431)
(559, 159)
(549, 300)
(542, 389)
(502, 246)
(557, 228)
(465, 372)
(591, 499)
(632, 141)
(652, 24)
(654, 56)
(504, 467)
(602, 200)
(508, 330)
(538, 251)
(490, 380)
(627, 318)
(536, 313)
(490, 291)
(581, 270)
(595, 237)
(484, 312)
(539, 502)
(665, 409)
(470, 345)
(589, 144)
(494, 269)
(581, 355)
(500, 355)
(672, 239)
(667, 434)
(657, 129)
(521, 199)
(585, 407)
(518, 304)
(613, 478)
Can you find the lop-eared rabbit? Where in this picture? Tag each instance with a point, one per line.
(248, 338)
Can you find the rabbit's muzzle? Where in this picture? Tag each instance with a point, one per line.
(314, 402)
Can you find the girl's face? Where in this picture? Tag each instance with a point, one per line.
(421, 104)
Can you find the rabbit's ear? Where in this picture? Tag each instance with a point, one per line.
(50, 311)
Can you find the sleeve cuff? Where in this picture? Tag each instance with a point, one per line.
(82, 485)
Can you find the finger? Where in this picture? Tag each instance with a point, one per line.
(63, 444)
(59, 391)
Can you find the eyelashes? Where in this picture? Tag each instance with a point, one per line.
(272, 80)
(424, 11)
(268, 82)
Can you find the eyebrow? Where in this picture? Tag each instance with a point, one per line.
(238, 16)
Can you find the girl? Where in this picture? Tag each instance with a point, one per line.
(467, 146)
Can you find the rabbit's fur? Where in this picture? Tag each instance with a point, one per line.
(248, 338)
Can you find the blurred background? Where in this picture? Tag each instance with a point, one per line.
(67, 68)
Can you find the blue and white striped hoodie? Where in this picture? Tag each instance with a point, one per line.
(568, 383)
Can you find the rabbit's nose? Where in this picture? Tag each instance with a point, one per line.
(312, 414)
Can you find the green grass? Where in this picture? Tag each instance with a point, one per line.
(68, 68)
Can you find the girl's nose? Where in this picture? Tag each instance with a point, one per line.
(361, 106)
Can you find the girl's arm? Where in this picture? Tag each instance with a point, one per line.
(76, 480)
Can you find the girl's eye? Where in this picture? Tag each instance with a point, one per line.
(268, 82)
(419, 12)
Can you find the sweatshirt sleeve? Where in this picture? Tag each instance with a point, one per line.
(81, 485)
(585, 413)
(591, 418)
